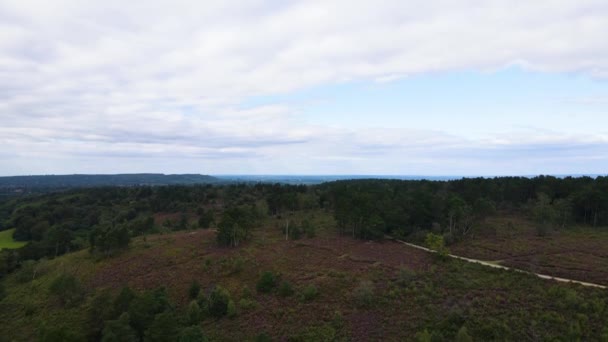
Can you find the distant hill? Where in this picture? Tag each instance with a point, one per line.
(70, 181)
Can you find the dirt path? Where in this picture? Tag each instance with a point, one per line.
(495, 265)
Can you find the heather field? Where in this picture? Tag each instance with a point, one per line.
(576, 252)
(328, 288)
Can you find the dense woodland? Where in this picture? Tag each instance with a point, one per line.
(104, 220)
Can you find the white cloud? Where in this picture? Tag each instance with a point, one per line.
(155, 79)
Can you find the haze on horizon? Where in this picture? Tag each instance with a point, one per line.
(304, 87)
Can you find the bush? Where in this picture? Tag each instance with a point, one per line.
(231, 309)
(218, 302)
(405, 276)
(463, 335)
(58, 333)
(122, 301)
(164, 328)
(364, 294)
(247, 304)
(98, 311)
(263, 337)
(68, 289)
(436, 243)
(285, 289)
(119, 330)
(309, 293)
(267, 282)
(195, 288)
(195, 314)
(192, 334)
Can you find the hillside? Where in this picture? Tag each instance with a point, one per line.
(71, 181)
(307, 263)
(341, 289)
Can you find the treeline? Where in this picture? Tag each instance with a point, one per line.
(372, 208)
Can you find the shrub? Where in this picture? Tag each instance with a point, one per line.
(309, 228)
(463, 335)
(192, 334)
(364, 294)
(68, 289)
(267, 282)
(405, 276)
(309, 293)
(58, 333)
(231, 309)
(218, 302)
(247, 304)
(285, 289)
(119, 330)
(194, 314)
(98, 311)
(122, 301)
(195, 288)
(436, 243)
(164, 328)
(263, 337)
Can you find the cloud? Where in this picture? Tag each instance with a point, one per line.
(156, 79)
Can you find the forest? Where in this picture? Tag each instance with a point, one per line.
(236, 228)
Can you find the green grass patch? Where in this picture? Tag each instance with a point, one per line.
(6, 240)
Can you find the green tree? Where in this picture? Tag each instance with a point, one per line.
(218, 302)
(164, 328)
(194, 314)
(192, 333)
(119, 330)
(98, 311)
(463, 335)
(68, 289)
(436, 243)
(195, 288)
(234, 227)
(267, 282)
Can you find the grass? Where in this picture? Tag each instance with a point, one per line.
(6, 240)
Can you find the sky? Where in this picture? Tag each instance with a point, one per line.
(497, 87)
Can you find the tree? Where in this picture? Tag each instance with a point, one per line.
(436, 243)
(463, 335)
(194, 313)
(143, 309)
(107, 239)
(267, 282)
(123, 301)
(192, 333)
(218, 302)
(99, 310)
(195, 288)
(68, 289)
(163, 328)
(234, 227)
(119, 330)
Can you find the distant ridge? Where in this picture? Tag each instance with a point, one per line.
(83, 180)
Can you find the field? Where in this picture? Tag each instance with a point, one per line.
(6, 240)
(362, 290)
(578, 253)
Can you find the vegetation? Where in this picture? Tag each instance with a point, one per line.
(7, 241)
(334, 275)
